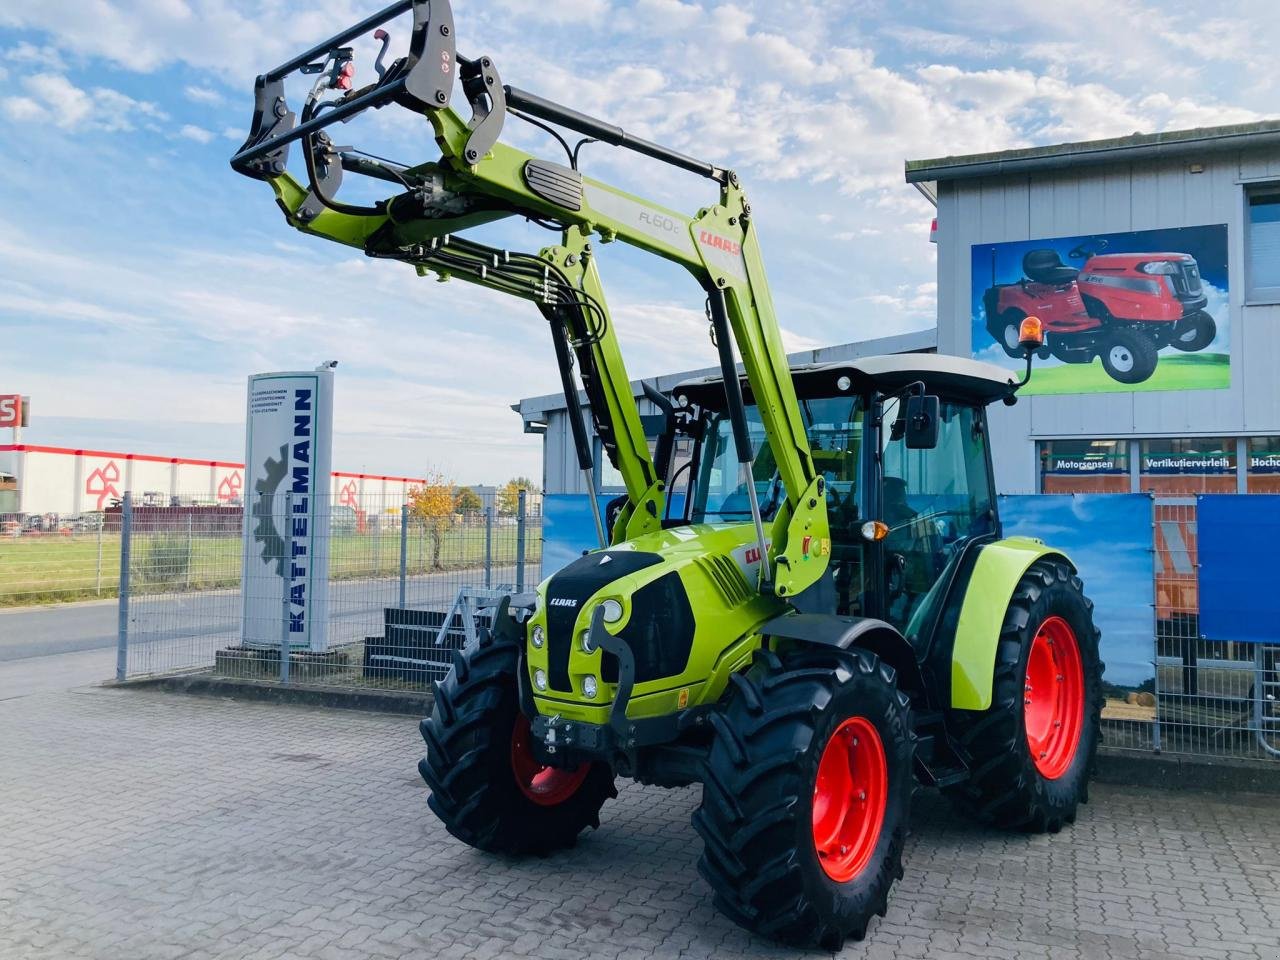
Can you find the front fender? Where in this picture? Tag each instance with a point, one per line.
(996, 573)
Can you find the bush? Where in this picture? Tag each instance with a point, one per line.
(165, 558)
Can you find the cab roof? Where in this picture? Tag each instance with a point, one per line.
(952, 378)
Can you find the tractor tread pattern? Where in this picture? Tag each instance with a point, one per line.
(1004, 788)
(756, 797)
(468, 761)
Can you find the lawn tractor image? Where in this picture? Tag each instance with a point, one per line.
(1122, 308)
(803, 603)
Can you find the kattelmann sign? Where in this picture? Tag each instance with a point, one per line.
(288, 451)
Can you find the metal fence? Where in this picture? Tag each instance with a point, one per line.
(404, 590)
(395, 577)
(52, 560)
(1207, 697)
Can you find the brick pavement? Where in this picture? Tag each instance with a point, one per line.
(144, 825)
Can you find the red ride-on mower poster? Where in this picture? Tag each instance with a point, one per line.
(1146, 310)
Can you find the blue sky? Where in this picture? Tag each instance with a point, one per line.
(141, 281)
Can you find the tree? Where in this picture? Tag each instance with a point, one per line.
(467, 501)
(432, 504)
(509, 495)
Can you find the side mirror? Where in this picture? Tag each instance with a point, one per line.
(922, 422)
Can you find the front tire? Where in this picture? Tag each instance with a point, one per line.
(1194, 332)
(1031, 754)
(487, 786)
(1129, 356)
(807, 794)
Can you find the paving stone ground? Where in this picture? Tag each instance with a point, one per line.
(139, 825)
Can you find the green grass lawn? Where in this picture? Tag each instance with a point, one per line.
(1175, 371)
(55, 569)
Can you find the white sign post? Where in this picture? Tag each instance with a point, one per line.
(288, 453)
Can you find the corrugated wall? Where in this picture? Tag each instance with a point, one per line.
(1107, 200)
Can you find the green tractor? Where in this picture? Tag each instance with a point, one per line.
(803, 602)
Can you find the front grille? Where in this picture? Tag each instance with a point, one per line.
(1186, 281)
(570, 589)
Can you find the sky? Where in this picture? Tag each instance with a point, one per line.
(141, 281)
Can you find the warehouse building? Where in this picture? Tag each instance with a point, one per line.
(1121, 246)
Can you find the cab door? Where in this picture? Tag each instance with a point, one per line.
(934, 502)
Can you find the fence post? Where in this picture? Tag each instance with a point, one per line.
(190, 548)
(488, 547)
(284, 597)
(102, 522)
(122, 624)
(404, 548)
(520, 521)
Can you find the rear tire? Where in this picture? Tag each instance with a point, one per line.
(486, 786)
(1005, 331)
(807, 795)
(1014, 784)
(1128, 356)
(1194, 332)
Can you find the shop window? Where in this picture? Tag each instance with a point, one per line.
(1186, 467)
(1263, 240)
(1084, 466)
(1264, 465)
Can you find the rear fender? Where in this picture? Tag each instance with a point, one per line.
(846, 633)
(995, 576)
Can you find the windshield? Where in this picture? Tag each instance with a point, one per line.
(834, 426)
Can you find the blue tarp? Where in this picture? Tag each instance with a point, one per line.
(1238, 541)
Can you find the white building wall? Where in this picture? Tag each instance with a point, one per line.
(1114, 199)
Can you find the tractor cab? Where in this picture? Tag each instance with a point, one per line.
(905, 499)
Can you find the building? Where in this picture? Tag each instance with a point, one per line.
(65, 483)
(1203, 204)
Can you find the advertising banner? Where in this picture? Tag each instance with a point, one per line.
(1121, 312)
(1108, 537)
(289, 436)
(1237, 540)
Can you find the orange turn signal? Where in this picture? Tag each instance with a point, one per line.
(1031, 333)
(875, 530)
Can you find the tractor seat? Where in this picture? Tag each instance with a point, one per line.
(1045, 266)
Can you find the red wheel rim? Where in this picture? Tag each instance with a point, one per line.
(545, 786)
(1053, 700)
(849, 799)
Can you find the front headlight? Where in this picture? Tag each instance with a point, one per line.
(540, 679)
(1162, 267)
(537, 637)
(587, 645)
(612, 611)
(589, 687)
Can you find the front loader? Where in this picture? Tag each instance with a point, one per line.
(829, 616)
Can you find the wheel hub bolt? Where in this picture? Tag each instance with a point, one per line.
(862, 795)
(843, 849)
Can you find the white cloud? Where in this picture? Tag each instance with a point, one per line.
(190, 131)
(206, 95)
(52, 96)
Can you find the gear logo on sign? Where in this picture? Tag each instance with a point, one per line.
(266, 533)
(102, 483)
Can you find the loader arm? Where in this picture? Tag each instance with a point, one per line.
(478, 179)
